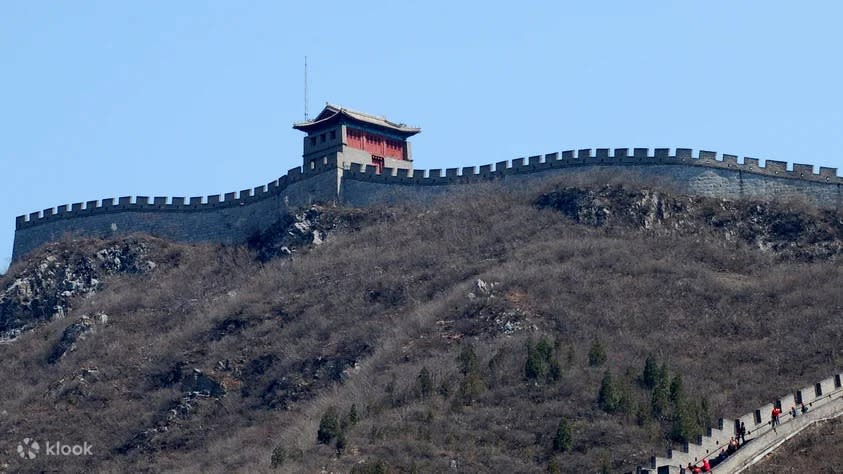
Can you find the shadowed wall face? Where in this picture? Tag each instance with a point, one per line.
(236, 216)
(362, 188)
(231, 220)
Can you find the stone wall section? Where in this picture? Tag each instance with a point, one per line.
(823, 399)
(229, 218)
(235, 216)
(705, 174)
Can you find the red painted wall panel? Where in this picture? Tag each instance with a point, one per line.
(375, 144)
(355, 138)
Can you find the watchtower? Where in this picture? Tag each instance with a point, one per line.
(343, 136)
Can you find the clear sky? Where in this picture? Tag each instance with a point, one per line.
(104, 99)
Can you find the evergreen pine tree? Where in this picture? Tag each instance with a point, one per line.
(341, 442)
(663, 375)
(626, 402)
(607, 398)
(329, 426)
(676, 389)
(279, 455)
(651, 372)
(444, 388)
(353, 417)
(596, 354)
(685, 427)
(554, 372)
(534, 368)
(545, 349)
(660, 400)
(471, 387)
(703, 415)
(424, 383)
(563, 440)
(642, 415)
(467, 360)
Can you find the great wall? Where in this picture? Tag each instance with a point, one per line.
(235, 216)
(358, 159)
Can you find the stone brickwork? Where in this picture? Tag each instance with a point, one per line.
(235, 216)
(230, 218)
(824, 400)
(704, 174)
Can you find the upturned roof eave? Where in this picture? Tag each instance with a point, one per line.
(333, 113)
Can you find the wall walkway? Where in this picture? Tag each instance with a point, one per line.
(824, 401)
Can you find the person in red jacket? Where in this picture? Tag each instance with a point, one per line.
(706, 465)
(775, 418)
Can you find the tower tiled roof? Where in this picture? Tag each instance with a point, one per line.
(332, 113)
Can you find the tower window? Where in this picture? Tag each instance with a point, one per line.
(378, 161)
(312, 164)
(333, 134)
(312, 141)
(322, 138)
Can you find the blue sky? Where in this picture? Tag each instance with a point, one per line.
(106, 99)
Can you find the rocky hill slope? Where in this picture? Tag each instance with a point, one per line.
(561, 328)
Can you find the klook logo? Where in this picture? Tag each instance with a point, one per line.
(29, 449)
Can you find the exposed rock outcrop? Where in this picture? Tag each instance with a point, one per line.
(309, 227)
(73, 334)
(196, 386)
(45, 289)
(792, 231)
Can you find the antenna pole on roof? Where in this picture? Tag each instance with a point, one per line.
(305, 89)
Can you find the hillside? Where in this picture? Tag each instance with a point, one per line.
(571, 327)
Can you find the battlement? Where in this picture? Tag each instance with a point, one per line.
(594, 157)
(173, 204)
(145, 203)
(233, 216)
(757, 422)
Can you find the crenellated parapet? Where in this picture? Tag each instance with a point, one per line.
(173, 204)
(820, 401)
(330, 177)
(595, 157)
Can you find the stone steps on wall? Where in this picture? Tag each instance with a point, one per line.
(823, 399)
